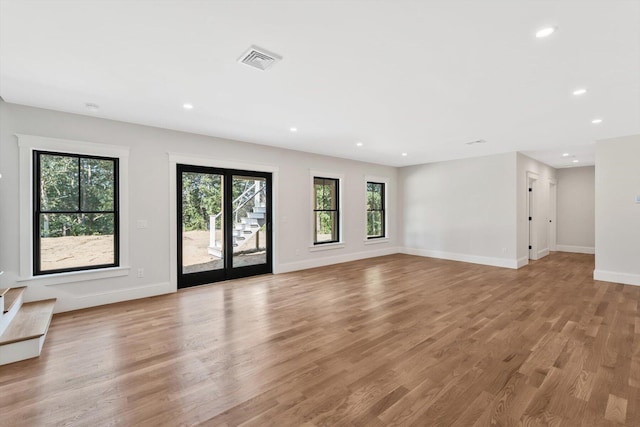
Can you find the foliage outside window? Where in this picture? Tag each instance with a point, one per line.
(75, 212)
(201, 198)
(375, 210)
(326, 218)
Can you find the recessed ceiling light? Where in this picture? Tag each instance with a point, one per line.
(404, 154)
(565, 154)
(293, 129)
(187, 106)
(92, 107)
(359, 144)
(575, 160)
(596, 121)
(545, 32)
(579, 91)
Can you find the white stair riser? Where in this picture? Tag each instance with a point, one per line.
(21, 350)
(9, 315)
(1, 306)
(242, 231)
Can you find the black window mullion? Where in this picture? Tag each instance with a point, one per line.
(79, 184)
(337, 203)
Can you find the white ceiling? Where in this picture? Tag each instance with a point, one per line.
(421, 77)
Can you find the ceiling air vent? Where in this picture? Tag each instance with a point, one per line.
(259, 58)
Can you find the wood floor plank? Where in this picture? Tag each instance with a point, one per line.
(616, 409)
(396, 340)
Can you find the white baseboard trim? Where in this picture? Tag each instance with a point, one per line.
(522, 261)
(576, 249)
(474, 259)
(67, 301)
(615, 277)
(543, 253)
(337, 259)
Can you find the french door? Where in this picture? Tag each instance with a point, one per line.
(224, 224)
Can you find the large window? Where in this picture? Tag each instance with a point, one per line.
(326, 215)
(375, 210)
(75, 218)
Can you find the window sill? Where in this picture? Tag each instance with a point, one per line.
(376, 240)
(76, 276)
(326, 247)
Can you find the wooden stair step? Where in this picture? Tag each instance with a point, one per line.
(32, 321)
(12, 296)
(3, 291)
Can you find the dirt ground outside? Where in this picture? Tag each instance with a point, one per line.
(74, 251)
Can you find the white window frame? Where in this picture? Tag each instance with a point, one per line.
(313, 247)
(385, 181)
(27, 145)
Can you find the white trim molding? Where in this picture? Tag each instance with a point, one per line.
(326, 247)
(616, 277)
(94, 299)
(474, 259)
(30, 143)
(337, 259)
(376, 241)
(576, 249)
(200, 160)
(77, 276)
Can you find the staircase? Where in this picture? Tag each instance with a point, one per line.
(243, 231)
(23, 326)
(249, 213)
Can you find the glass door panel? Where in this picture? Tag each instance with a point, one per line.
(249, 206)
(201, 231)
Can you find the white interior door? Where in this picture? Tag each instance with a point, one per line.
(553, 227)
(531, 204)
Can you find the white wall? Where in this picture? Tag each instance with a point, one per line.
(576, 209)
(617, 215)
(150, 200)
(545, 175)
(463, 210)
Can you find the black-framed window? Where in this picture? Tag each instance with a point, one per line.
(375, 210)
(75, 217)
(326, 193)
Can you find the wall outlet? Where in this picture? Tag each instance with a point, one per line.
(141, 272)
(504, 251)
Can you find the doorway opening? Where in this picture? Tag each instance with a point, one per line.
(223, 224)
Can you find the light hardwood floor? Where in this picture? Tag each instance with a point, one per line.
(396, 340)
